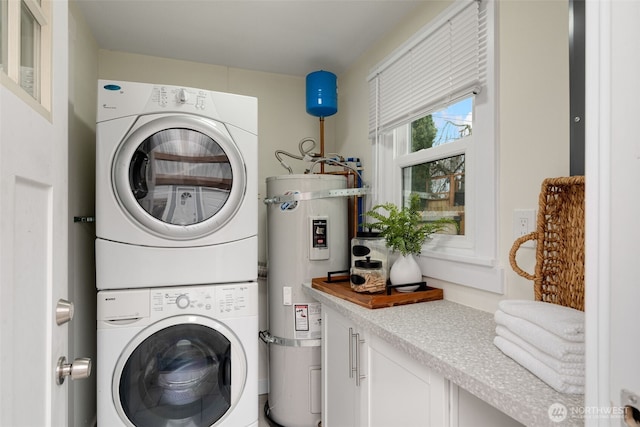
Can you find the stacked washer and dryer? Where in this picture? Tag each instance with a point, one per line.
(176, 257)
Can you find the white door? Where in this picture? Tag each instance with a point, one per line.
(625, 208)
(33, 266)
(33, 248)
(612, 211)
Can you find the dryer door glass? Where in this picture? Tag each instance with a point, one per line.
(180, 176)
(180, 375)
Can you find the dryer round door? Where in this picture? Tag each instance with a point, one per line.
(179, 176)
(184, 370)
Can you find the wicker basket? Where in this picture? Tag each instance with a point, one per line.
(559, 270)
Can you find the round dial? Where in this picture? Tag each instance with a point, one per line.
(182, 301)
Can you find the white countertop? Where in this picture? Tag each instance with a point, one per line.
(456, 341)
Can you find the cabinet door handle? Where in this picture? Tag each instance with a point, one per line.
(354, 360)
(351, 368)
(357, 368)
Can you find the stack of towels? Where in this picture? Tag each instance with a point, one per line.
(547, 339)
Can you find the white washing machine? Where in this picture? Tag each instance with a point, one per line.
(178, 356)
(176, 186)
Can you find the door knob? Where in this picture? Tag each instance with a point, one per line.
(64, 311)
(78, 370)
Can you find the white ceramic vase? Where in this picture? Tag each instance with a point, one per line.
(405, 270)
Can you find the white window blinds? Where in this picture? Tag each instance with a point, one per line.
(442, 63)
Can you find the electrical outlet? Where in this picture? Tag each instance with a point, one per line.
(524, 222)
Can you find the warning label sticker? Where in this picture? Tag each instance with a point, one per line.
(307, 318)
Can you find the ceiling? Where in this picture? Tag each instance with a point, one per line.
(292, 37)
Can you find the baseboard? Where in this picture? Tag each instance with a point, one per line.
(263, 386)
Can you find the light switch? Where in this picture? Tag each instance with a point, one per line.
(286, 295)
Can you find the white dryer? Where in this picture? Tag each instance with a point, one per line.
(176, 186)
(184, 356)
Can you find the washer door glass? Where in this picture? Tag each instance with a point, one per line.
(180, 375)
(180, 176)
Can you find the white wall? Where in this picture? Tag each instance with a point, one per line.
(532, 120)
(83, 72)
(534, 114)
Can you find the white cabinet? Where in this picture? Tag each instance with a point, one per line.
(402, 388)
(369, 383)
(469, 411)
(401, 391)
(343, 373)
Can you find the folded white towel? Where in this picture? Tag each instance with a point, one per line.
(565, 322)
(564, 368)
(542, 339)
(561, 383)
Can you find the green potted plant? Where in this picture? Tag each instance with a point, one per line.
(404, 232)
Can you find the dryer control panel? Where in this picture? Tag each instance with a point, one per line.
(118, 99)
(171, 96)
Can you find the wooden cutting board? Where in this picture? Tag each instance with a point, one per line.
(340, 287)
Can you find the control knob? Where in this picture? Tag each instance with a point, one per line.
(182, 301)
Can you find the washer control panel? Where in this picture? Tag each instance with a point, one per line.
(217, 301)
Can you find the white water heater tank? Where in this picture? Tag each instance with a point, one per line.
(307, 238)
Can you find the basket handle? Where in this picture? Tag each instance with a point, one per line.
(514, 249)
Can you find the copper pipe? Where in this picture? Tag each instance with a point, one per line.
(321, 143)
(354, 231)
(353, 215)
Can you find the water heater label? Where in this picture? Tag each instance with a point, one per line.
(307, 318)
(319, 249)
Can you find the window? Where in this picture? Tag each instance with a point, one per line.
(439, 180)
(432, 120)
(25, 34)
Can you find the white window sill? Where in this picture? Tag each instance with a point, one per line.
(476, 273)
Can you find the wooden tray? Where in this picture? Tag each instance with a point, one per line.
(340, 287)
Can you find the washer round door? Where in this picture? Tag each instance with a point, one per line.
(179, 177)
(185, 370)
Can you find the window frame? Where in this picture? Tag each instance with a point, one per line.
(470, 260)
(450, 149)
(10, 72)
